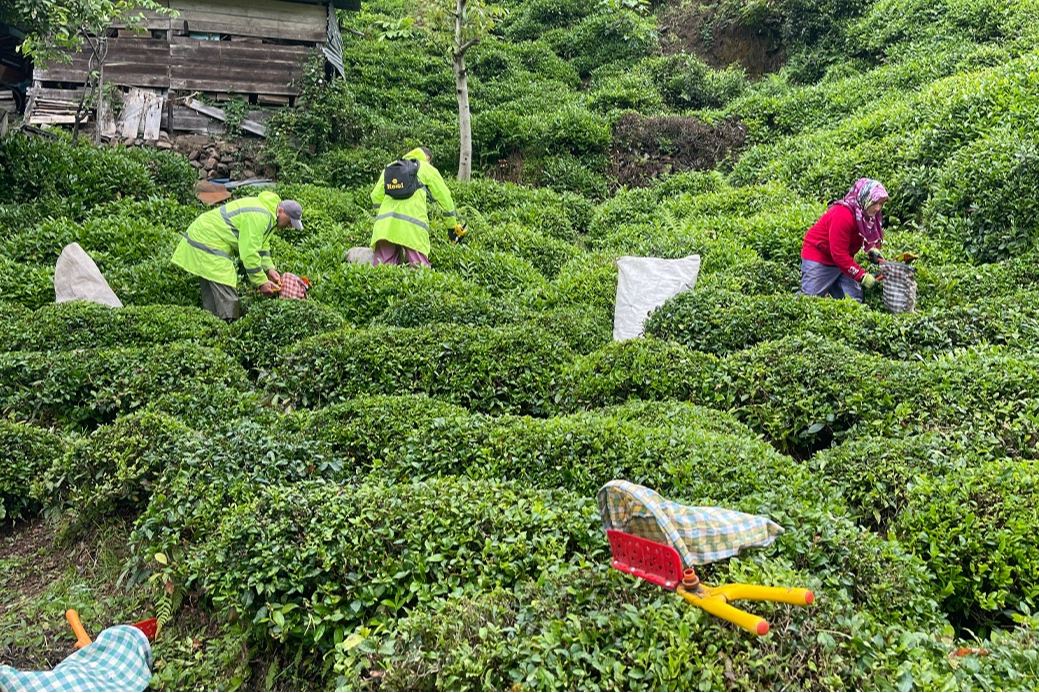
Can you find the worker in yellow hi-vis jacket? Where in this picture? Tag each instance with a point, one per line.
(401, 219)
(240, 229)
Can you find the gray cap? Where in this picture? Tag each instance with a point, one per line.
(295, 212)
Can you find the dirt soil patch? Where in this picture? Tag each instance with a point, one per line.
(28, 546)
(707, 30)
(646, 148)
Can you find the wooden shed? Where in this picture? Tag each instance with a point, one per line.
(220, 49)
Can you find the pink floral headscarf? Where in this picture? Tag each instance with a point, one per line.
(865, 192)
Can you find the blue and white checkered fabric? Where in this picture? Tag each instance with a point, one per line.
(700, 535)
(119, 660)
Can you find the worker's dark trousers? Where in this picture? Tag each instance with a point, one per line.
(220, 299)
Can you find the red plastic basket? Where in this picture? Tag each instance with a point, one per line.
(149, 627)
(658, 563)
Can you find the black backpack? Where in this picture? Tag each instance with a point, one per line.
(401, 179)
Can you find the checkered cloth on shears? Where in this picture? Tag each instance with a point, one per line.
(119, 660)
(700, 535)
(293, 286)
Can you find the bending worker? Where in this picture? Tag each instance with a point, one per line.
(401, 220)
(239, 229)
(828, 266)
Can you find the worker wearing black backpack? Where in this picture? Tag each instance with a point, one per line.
(401, 221)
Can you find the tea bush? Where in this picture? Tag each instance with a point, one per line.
(590, 628)
(83, 325)
(36, 168)
(497, 273)
(509, 369)
(84, 389)
(114, 469)
(648, 369)
(271, 327)
(362, 292)
(331, 557)
(28, 451)
(476, 310)
(721, 322)
(582, 328)
(974, 529)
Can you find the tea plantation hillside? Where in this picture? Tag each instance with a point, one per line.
(392, 485)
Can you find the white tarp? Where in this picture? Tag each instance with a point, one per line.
(644, 283)
(77, 278)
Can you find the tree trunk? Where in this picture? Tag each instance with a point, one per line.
(465, 149)
(100, 98)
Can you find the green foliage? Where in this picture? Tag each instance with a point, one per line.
(601, 39)
(978, 200)
(361, 292)
(113, 470)
(508, 369)
(84, 389)
(641, 369)
(686, 81)
(497, 273)
(271, 327)
(720, 322)
(478, 309)
(329, 558)
(82, 325)
(36, 168)
(974, 528)
(27, 451)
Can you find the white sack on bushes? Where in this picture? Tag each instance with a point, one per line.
(644, 283)
(77, 278)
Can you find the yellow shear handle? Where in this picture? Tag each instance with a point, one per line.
(719, 607)
(82, 639)
(787, 595)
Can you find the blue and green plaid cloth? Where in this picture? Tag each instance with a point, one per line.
(119, 660)
(700, 535)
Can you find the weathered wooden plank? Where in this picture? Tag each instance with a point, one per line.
(263, 18)
(130, 62)
(133, 111)
(214, 112)
(249, 27)
(107, 118)
(185, 47)
(255, 9)
(151, 19)
(186, 120)
(240, 86)
(59, 94)
(153, 116)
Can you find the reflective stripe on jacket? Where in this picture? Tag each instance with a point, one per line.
(406, 222)
(239, 229)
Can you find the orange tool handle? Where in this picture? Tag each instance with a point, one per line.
(786, 595)
(82, 639)
(717, 606)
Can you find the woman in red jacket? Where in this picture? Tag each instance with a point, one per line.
(828, 266)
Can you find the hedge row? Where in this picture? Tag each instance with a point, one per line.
(83, 325)
(114, 469)
(272, 327)
(311, 561)
(27, 451)
(800, 391)
(968, 515)
(345, 554)
(720, 322)
(83, 389)
(34, 168)
(499, 370)
(589, 629)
